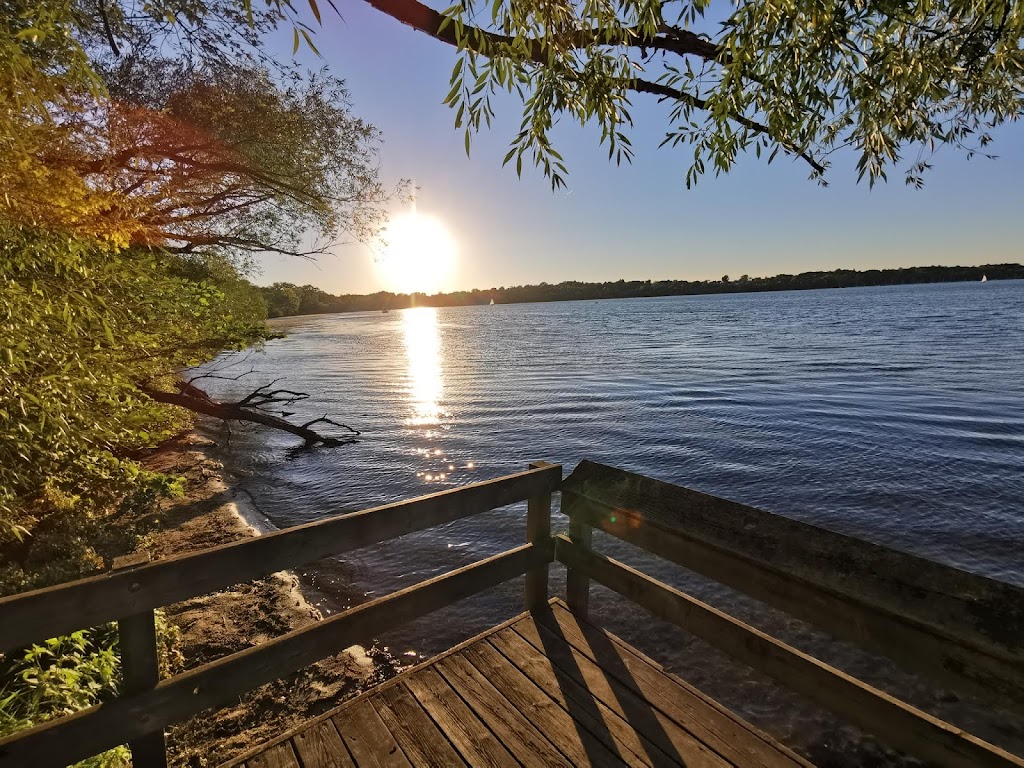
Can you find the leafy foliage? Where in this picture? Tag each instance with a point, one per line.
(283, 299)
(227, 156)
(80, 328)
(166, 124)
(145, 151)
(66, 674)
(892, 81)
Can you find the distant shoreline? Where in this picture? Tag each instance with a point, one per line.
(286, 300)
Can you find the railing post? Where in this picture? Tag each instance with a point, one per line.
(140, 669)
(577, 583)
(538, 530)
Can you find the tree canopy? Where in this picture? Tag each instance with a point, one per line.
(225, 156)
(145, 152)
(892, 81)
(167, 125)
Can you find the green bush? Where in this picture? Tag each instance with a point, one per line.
(66, 674)
(81, 326)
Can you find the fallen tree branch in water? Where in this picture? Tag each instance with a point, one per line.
(253, 409)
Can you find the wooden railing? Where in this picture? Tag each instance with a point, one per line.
(128, 595)
(963, 631)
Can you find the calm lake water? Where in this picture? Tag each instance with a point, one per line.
(893, 414)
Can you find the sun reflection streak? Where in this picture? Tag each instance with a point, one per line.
(423, 351)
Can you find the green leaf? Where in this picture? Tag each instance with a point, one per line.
(109, 333)
(309, 42)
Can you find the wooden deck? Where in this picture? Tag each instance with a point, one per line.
(547, 687)
(542, 689)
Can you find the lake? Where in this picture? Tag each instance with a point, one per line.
(893, 414)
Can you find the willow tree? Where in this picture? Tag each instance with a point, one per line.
(890, 81)
(145, 152)
(229, 157)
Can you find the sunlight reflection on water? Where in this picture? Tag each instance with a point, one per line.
(891, 414)
(423, 351)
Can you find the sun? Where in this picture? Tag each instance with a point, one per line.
(417, 255)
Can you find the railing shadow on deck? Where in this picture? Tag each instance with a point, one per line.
(961, 630)
(637, 713)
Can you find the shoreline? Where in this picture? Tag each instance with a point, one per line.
(571, 291)
(212, 513)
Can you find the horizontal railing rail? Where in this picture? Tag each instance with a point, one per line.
(877, 712)
(960, 629)
(94, 730)
(46, 613)
(957, 628)
(139, 715)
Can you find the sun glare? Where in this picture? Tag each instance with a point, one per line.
(417, 255)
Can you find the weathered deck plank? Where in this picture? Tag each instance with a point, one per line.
(509, 725)
(467, 733)
(320, 746)
(588, 710)
(368, 739)
(543, 689)
(578, 744)
(631, 703)
(279, 756)
(711, 723)
(415, 732)
(627, 703)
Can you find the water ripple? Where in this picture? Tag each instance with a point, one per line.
(893, 414)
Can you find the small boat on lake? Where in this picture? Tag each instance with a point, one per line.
(984, 278)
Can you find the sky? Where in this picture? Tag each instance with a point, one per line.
(634, 222)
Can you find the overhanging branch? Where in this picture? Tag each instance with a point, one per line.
(669, 39)
(425, 19)
(658, 89)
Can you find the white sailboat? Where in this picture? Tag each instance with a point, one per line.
(984, 278)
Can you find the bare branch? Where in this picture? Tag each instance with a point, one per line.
(249, 409)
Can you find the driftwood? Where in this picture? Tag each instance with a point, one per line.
(253, 408)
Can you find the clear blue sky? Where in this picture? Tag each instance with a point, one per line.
(639, 221)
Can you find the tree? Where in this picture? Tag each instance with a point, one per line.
(147, 124)
(282, 300)
(230, 157)
(807, 78)
(81, 328)
(143, 150)
(213, 153)
(225, 156)
(50, 87)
